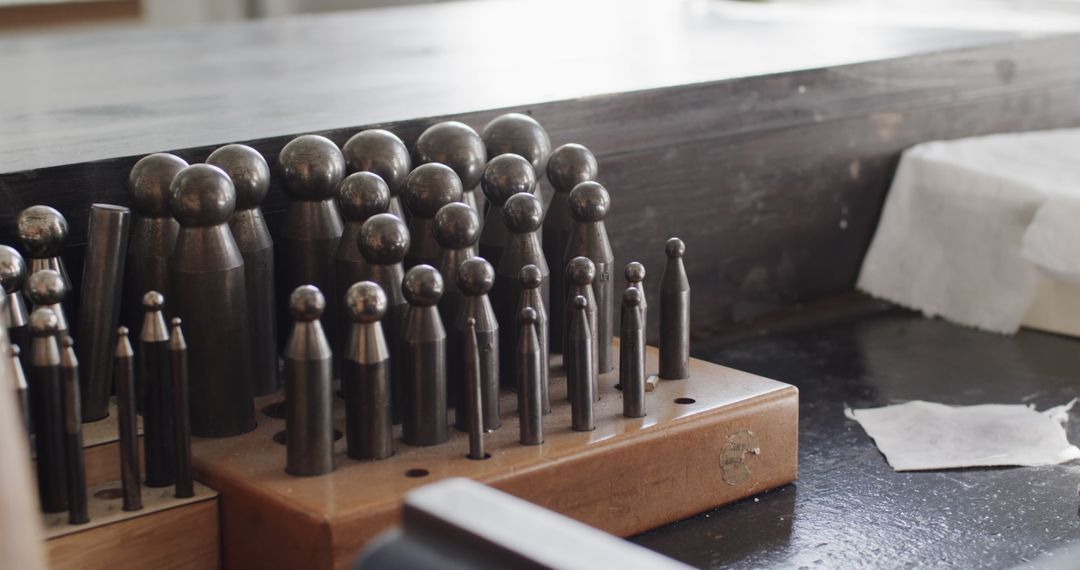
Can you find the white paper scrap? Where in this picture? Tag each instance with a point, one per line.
(920, 435)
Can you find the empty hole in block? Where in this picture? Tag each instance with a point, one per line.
(279, 437)
(416, 473)
(275, 410)
(685, 400)
(110, 493)
(486, 456)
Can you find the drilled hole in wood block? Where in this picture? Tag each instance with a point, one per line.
(275, 410)
(685, 401)
(417, 473)
(110, 493)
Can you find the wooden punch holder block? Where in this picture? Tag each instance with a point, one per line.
(714, 438)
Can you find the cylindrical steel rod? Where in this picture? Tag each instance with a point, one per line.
(22, 390)
(424, 422)
(154, 377)
(124, 368)
(178, 373)
(365, 375)
(99, 304)
(73, 441)
(308, 373)
(47, 401)
(529, 394)
(474, 402)
(632, 355)
(581, 373)
(674, 314)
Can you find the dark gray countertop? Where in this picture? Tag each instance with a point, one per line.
(849, 509)
(78, 97)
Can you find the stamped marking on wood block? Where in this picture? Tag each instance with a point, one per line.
(733, 456)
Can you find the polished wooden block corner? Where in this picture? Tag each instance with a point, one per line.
(714, 438)
(167, 532)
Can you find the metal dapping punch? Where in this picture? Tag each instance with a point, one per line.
(531, 280)
(308, 375)
(178, 373)
(154, 386)
(471, 406)
(529, 395)
(580, 273)
(582, 372)
(250, 176)
(475, 278)
(674, 314)
(47, 411)
(424, 421)
(589, 203)
(42, 233)
(209, 294)
(504, 176)
(73, 440)
(365, 375)
(124, 369)
(522, 135)
(15, 315)
(632, 355)
(46, 289)
(522, 215)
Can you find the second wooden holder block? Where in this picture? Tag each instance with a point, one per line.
(717, 437)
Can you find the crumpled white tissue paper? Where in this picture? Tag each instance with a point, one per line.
(919, 435)
(970, 226)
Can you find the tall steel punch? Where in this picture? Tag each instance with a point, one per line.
(568, 166)
(156, 383)
(250, 176)
(589, 204)
(522, 215)
(504, 176)
(178, 372)
(384, 239)
(530, 280)
(47, 411)
(380, 152)
(312, 167)
(208, 294)
(361, 196)
(529, 394)
(99, 304)
(365, 375)
(153, 235)
(428, 188)
(469, 410)
(16, 317)
(22, 388)
(581, 371)
(632, 355)
(309, 393)
(73, 440)
(475, 278)
(458, 146)
(674, 314)
(521, 135)
(424, 421)
(42, 233)
(580, 274)
(124, 369)
(635, 277)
